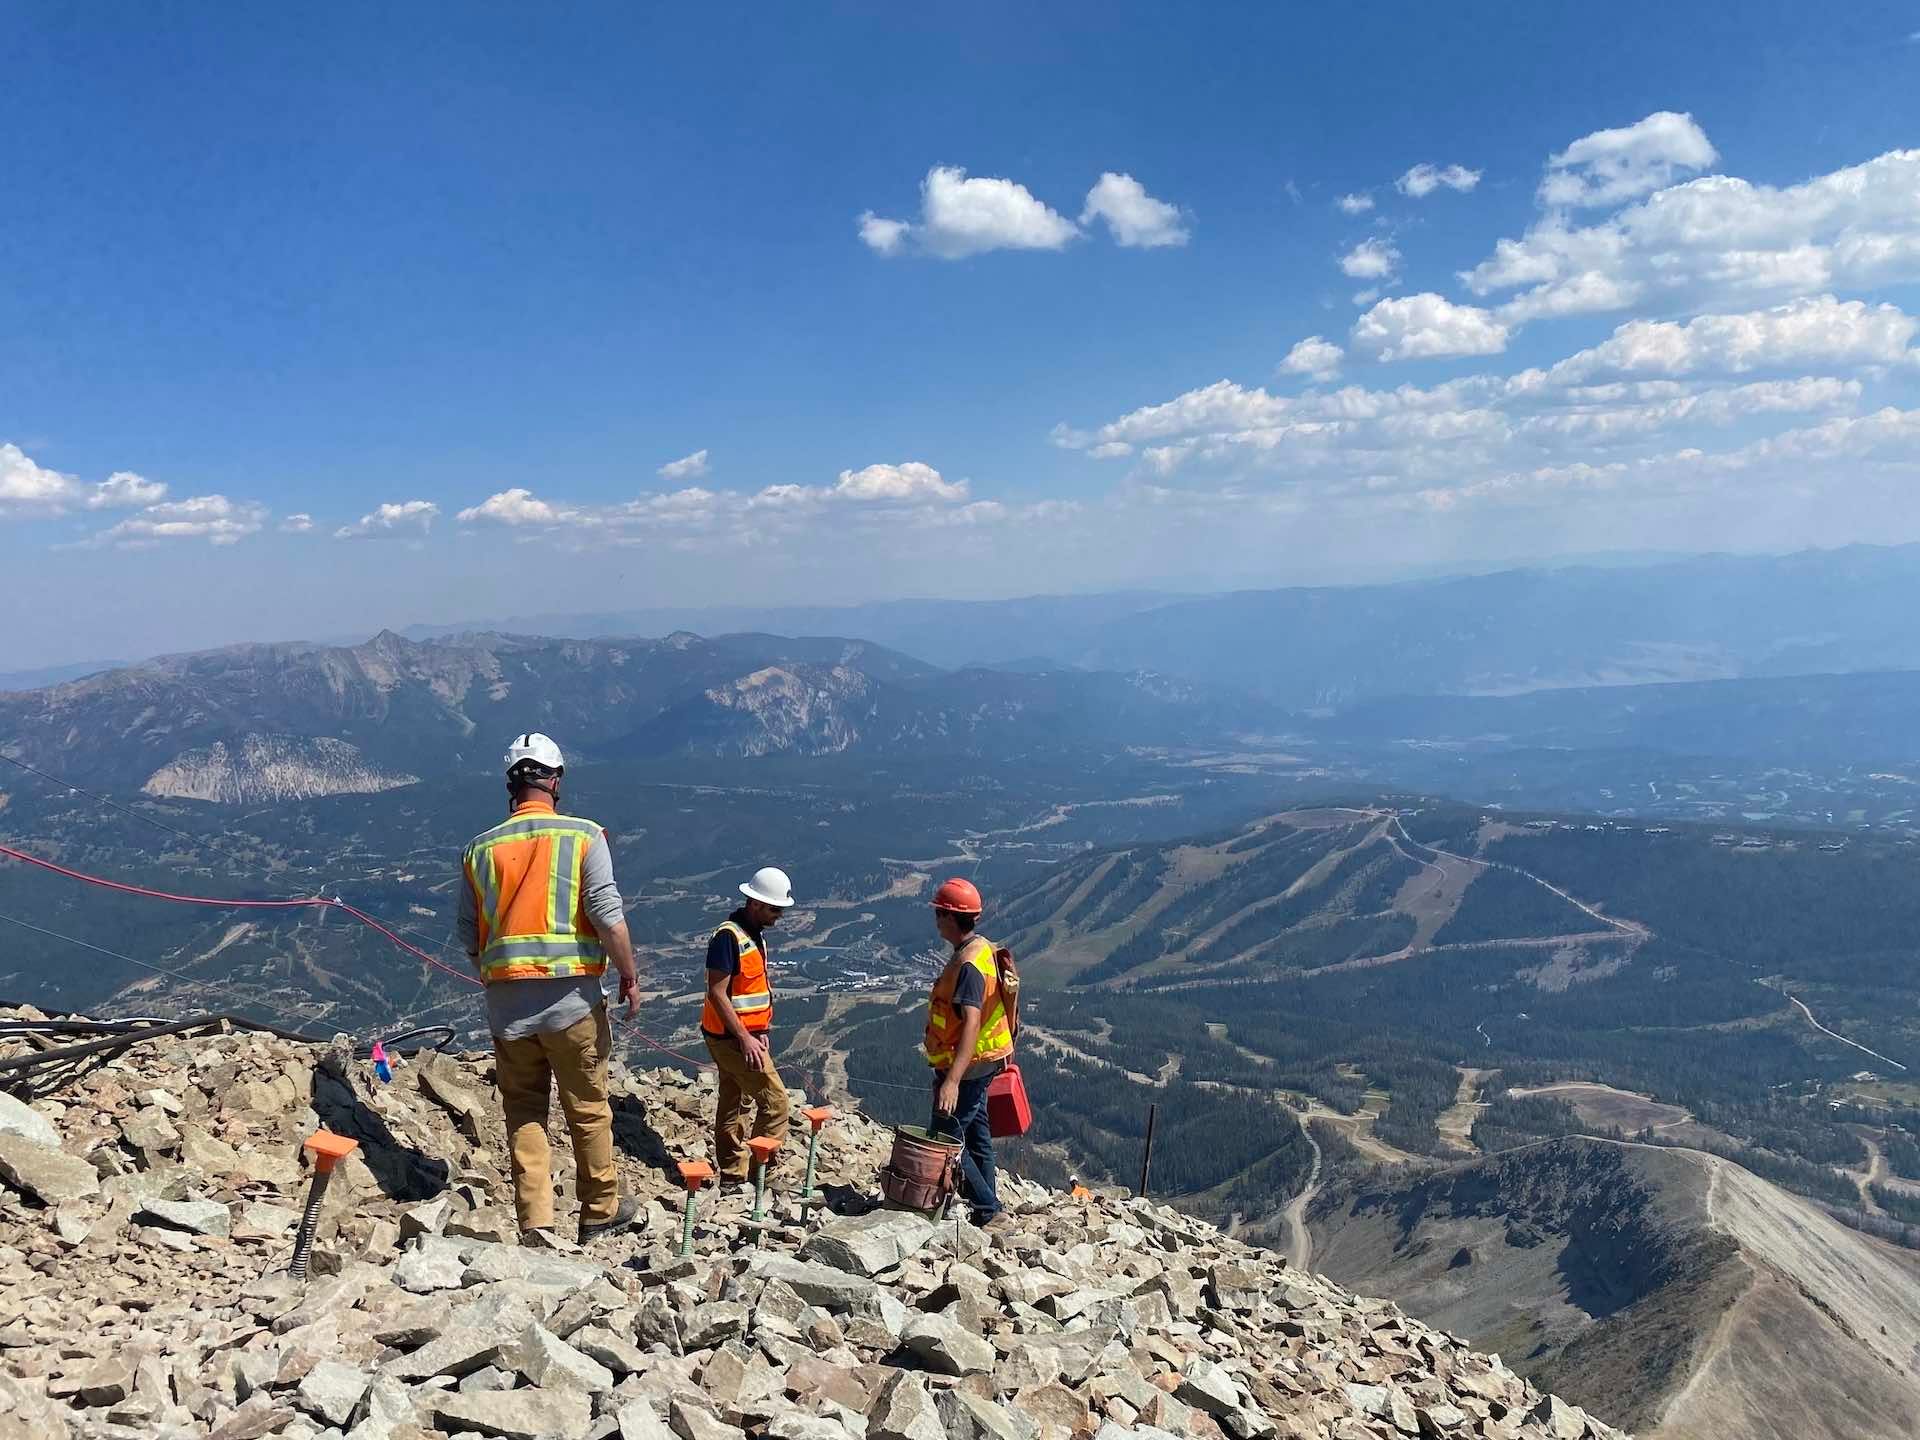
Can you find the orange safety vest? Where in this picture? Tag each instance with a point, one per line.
(747, 988)
(525, 874)
(995, 1041)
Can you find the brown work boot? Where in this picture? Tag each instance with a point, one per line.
(623, 1216)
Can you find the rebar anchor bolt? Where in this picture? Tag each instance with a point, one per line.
(764, 1148)
(817, 1117)
(328, 1150)
(693, 1174)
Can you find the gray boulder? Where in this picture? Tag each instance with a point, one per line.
(947, 1348)
(518, 1414)
(869, 1244)
(332, 1391)
(47, 1173)
(19, 1118)
(904, 1410)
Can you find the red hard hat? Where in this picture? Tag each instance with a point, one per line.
(958, 896)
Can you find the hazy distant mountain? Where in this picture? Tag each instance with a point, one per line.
(53, 674)
(1008, 714)
(1714, 617)
(258, 723)
(1606, 622)
(1860, 719)
(947, 633)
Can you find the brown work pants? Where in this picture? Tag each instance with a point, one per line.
(751, 1102)
(576, 1058)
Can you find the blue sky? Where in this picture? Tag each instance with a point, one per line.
(478, 259)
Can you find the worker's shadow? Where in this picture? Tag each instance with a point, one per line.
(401, 1171)
(847, 1200)
(638, 1140)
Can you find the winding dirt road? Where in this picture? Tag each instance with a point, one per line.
(1299, 1241)
(1843, 1039)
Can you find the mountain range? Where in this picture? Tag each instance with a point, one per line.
(254, 723)
(1703, 617)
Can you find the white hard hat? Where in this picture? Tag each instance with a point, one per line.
(770, 886)
(535, 747)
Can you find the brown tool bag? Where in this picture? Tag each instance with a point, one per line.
(922, 1173)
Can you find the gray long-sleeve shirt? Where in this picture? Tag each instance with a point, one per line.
(519, 1008)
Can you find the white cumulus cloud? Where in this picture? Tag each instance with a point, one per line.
(883, 236)
(518, 506)
(1316, 357)
(687, 467)
(1422, 180)
(1374, 259)
(124, 490)
(1427, 326)
(1609, 167)
(1717, 239)
(28, 487)
(1133, 216)
(405, 517)
(25, 485)
(213, 518)
(1817, 330)
(298, 523)
(962, 215)
(1358, 203)
(912, 481)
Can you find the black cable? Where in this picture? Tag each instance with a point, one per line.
(104, 800)
(113, 954)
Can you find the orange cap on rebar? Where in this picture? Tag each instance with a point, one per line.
(818, 1115)
(329, 1149)
(695, 1173)
(763, 1147)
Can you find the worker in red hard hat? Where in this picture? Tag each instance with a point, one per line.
(968, 1041)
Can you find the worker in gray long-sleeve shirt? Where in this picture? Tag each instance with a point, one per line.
(540, 917)
(533, 1005)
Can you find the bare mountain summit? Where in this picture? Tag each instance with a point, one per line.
(145, 1293)
(1679, 1292)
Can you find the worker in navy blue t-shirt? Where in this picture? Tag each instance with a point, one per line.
(737, 1023)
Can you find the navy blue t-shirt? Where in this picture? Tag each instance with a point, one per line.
(970, 989)
(723, 951)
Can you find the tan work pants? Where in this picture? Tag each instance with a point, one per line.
(576, 1058)
(751, 1102)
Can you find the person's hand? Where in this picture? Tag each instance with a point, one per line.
(630, 994)
(758, 1053)
(946, 1099)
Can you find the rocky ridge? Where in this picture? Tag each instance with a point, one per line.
(150, 1200)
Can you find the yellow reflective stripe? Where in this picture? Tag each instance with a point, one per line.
(554, 922)
(493, 838)
(746, 1004)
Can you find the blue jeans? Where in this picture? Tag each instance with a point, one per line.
(968, 1125)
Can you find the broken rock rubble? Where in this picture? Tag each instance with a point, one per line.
(143, 1290)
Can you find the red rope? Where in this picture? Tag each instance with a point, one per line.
(218, 902)
(317, 900)
(683, 1059)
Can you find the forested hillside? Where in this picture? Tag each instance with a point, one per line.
(1396, 973)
